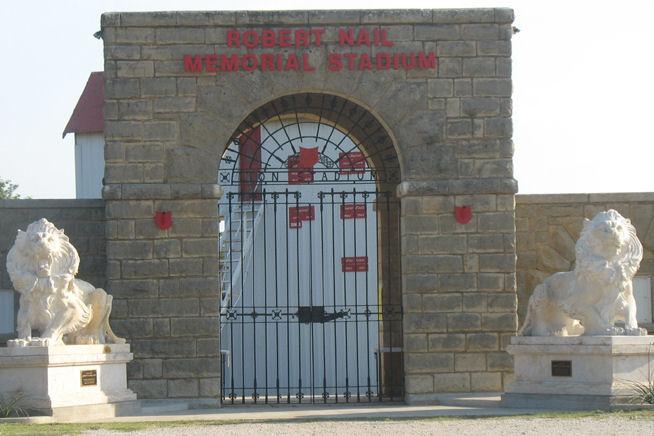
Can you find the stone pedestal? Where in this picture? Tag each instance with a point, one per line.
(69, 381)
(577, 372)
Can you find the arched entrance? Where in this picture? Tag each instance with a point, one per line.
(310, 256)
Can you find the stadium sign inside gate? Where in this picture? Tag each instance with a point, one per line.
(383, 58)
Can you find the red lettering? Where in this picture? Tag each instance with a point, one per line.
(192, 64)
(405, 61)
(334, 62)
(364, 62)
(383, 61)
(210, 63)
(229, 63)
(249, 62)
(351, 57)
(250, 39)
(317, 36)
(268, 38)
(306, 65)
(285, 38)
(364, 37)
(292, 63)
(383, 38)
(426, 60)
(301, 38)
(396, 61)
(267, 62)
(233, 38)
(280, 62)
(345, 37)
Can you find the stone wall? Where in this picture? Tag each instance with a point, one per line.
(82, 220)
(166, 130)
(549, 225)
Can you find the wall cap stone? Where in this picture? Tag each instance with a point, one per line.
(51, 203)
(457, 187)
(585, 198)
(302, 17)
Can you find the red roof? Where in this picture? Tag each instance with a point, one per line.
(88, 114)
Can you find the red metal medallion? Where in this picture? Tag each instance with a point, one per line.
(463, 214)
(163, 219)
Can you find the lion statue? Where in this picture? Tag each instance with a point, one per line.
(42, 265)
(598, 293)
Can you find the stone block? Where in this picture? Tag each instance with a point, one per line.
(194, 326)
(498, 127)
(489, 243)
(122, 88)
(186, 267)
(133, 288)
(146, 191)
(474, 302)
(477, 15)
(486, 382)
(437, 204)
(449, 67)
(459, 128)
(419, 384)
(464, 362)
(122, 52)
(433, 264)
(207, 247)
(144, 268)
(504, 302)
(463, 322)
(161, 327)
(183, 388)
(167, 248)
(158, 87)
(210, 387)
(429, 362)
(135, 69)
(482, 342)
(496, 222)
(144, 152)
(491, 87)
(133, 327)
(442, 244)
(494, 48)
(457, 282)
(146, 389)
(174, 104)
(428, 323)
(396, 16)
(497, 262)
(134, 35)
(420, 283)
(415, 343)
(480, 106)
(436, 32)
(152, 368)
(479, 67)
(456, 48)
(195, 367)
(500, 322)
(447, 342)
(441, 303)
(163, 348)
(440, 87)
(129, 249)
(452, 382)
(491, 282)
(148, 19)
(208, 347)
(480, 31)
(180, 35)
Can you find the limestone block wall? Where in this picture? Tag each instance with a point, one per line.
(83, 222)
(166, 129)
(549, 225)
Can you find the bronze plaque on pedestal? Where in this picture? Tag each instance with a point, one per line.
(561, 368)
(89, 377)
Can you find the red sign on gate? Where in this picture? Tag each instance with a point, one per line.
(354, 264)
(298, 214)
(353, 211)
(353, 162)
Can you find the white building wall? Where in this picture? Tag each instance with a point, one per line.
(89, 165)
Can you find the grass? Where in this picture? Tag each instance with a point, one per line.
(12, 405)
(16, 429)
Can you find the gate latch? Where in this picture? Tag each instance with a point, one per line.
(316, 314)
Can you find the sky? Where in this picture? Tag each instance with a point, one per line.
(583, 100)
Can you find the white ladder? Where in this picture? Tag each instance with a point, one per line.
(236, 247)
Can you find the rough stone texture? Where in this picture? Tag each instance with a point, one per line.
(83, 221)
(452, 132)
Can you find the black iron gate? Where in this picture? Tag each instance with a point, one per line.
(310, 308)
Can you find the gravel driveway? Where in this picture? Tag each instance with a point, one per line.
(595, 426)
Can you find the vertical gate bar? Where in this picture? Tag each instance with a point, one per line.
(400, 382)
(231, 290)
(265, 290)
(311, 331)
(334, 263)
(275, 196)
(356, 296)
(253, 233)
(299, 324)
(322, 288)
(387, 254)
(288, 308)
(365, 229)
(240, 200)
(347, 348)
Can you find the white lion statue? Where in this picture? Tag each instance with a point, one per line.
(42, 266)
(598, 292)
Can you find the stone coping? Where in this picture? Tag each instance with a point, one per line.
(51, 203)
(65, 355)
(304, 17)
(621, 197)
(582, 340)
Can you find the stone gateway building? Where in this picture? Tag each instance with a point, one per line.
(308, 206)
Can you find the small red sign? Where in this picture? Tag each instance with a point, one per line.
(353, 211)
(353, 162)
(354, 264)
(163, 219)
(298, 174)
(298, 214)
(463, 214)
